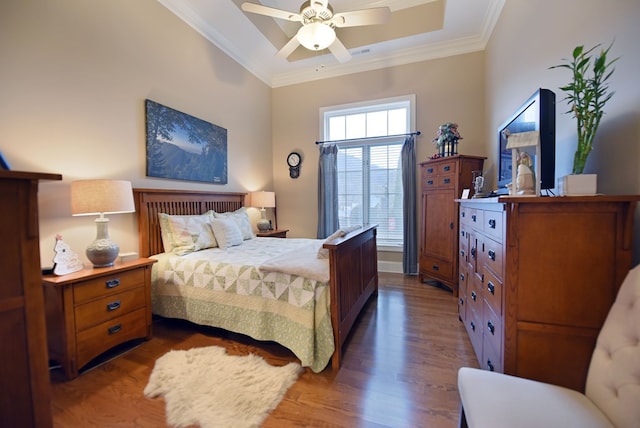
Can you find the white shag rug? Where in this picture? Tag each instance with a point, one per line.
(207, 387)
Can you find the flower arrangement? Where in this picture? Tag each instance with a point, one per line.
(447, 139)
(587, 96)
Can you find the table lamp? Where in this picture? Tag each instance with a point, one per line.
(100, 197)
(263, 200)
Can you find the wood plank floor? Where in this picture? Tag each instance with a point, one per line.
(399, 370)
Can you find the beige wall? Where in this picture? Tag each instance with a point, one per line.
(449, 89)
(530, 37)
(74, 75)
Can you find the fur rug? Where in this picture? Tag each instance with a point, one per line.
(207, 387)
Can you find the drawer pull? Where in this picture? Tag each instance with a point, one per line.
(491, 288)
(462, 253)
(430, 170)
(447, 168)
(491, 327)
(473, 326)
(462, 233)
(474, 218)
(463, 214)
(473, 252)
(447, 180)
(113, 306)
(112, 283)
(492, 255)
(490, 365)
(116, 328)
(461, 300)
(430, 182)
(492, 223)
(461, 277)
(474, 296)
(435, 267)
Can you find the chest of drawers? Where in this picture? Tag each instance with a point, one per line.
(96, 309)
(537, 276)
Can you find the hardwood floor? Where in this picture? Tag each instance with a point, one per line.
(399, 370)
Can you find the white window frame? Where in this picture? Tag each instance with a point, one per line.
(368, 106)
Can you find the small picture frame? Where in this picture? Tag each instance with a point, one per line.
(465, 194)
(3, 162)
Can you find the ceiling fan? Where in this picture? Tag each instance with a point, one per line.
(319, 24)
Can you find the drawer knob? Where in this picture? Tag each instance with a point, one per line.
(430, 170)
(473, 252)
(435, 267)
(492, 255)
(462, 233)
(492, 223)
(461, 277)
(474, 296)
(463, 214)
(490, 365)
(447, 168)
(113, 306)
(447, 180)
(491, 327)
(116, 328)
(112, 283)
(430, 182)
(461, 300)
(491, 288)
(473, 326)
(474, 218)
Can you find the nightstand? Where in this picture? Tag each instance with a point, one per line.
(276, 233)
(93, 310)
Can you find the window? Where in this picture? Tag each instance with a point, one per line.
(370, 138)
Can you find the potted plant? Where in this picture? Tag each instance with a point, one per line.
(446, 140)
(586, 93)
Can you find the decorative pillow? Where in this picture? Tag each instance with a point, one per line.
(227, 232)
(182, 234)
(323, 253)
(241, 218)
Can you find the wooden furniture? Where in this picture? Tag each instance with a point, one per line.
(537, 278)
(442, 181)
(96, 309)
(24, 371)
(352, 259)
(276, 233)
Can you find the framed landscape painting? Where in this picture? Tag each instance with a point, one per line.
(183, 147)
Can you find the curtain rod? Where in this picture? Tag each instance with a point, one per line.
(370, 138)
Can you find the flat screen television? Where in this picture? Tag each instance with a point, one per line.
(538, 113)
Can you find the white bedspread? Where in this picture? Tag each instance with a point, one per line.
(302, 261)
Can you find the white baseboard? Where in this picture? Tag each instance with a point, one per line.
(392, 267)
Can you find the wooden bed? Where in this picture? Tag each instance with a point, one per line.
(352, 259)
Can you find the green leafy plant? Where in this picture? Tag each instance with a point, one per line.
(587, 95)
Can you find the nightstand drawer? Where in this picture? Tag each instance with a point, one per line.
(107, 285)
(109, 307)
(94, 341)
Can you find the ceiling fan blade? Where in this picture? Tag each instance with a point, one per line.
(288, 48)
(269, 11)
(378, 15)
(339, 51)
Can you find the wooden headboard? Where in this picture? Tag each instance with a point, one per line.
(150, 202)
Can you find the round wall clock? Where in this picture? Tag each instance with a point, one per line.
(294, 160)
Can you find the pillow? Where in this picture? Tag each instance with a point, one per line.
(323, 253)
(227, 232)
(241, 219)
(182, 234)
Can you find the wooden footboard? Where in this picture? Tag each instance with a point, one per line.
(353, 262)
(352, 258)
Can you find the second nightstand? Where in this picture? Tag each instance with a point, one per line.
(277, 233)
(93, 310)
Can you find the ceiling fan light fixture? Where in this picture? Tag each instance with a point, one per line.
(316, 36)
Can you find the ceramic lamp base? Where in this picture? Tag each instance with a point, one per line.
(263, 225)
(103, 251)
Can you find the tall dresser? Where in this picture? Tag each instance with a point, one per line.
(25, 398)
(442, 181)
(537, 276)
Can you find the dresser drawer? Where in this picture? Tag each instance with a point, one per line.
(492, 326)
(476, 218)
(94, 341)
(473, 325)
(436, 267)
(492, 360)
(109, 307)
(492, 256)
(493, 292)
(493, 221)
(108, 285)
(447, 167)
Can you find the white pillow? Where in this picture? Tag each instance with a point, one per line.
(241, 218)
(182, 234)
(227, 232)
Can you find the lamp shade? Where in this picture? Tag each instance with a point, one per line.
(92, 197)
(316, 36)
(263, 199)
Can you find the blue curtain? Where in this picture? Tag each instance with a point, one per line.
(328, 191)
(409, 217)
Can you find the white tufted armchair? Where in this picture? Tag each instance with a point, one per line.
(612, 397)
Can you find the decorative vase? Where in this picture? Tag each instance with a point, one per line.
(578, 184)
